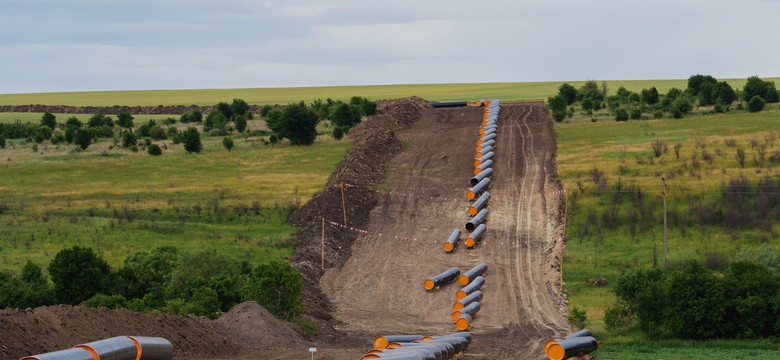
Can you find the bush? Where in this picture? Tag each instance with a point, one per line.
(635, 112)
(568, 93)
(98, 120)
(224, 109)
(154, 150)
(367, 107)
(227, 143)
(617, 317)
(192, 116)
(206, 268)
(650, 96)
(756, 104)
(241, 123)
(78, 274)
(48, 119)
(621, 114)
(757, 87)
(124, 120)
(128, 139)
(144, 274)
(239, 107)
(346, 116)
(2, 142)
(108, 301)
(277, 287)
(191, 140)
(338, 133)
(557, 103)
(83, 138)
(296, 122)
(559, 115)
(577, 317)
(215, 120)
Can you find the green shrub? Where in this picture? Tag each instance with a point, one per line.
(617, 317)
(756, 104)
(48, 119)
(577, 317)
(108, 301)
(296, 122)
(191, 140)
(568, 93)
(228, 143)
(78, 274)
(277, 287)
(621, 114)
(154, 150)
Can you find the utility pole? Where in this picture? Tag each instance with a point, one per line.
(666, 230)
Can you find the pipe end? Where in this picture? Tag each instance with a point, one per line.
(555, 352)
(463, 280)
(460, 294)
(462, 324)
(471, 195)
(448, 247)
(470, 243)
(429, 284)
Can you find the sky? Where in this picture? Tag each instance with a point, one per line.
(84, 45)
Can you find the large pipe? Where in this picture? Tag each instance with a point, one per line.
(115, 348)
(449, 245)
(469, 276)
(491, 142)
(482, 174)
(460, 304)
(581, 333)
(487, 130)
(426, 351)
(477, 189)
(566, 348)
(479, 204)
(449, 104)
(484, 158)
(69, 354)
(472, 309)
(463, 322)
(483, 166)
(441, 279)
(477, 220)
(485, 150)
(475, 236)
(153, 348)
(381, 342)
(473, 286)
(485, 138)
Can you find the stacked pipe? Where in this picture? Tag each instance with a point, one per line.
(419, 347)
(579, 343)
(480, 182)
(467, 299)
(115, 348)
(441, 279)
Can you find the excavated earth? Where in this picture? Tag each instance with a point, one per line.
(404, 184)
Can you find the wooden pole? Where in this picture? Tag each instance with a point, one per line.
(666, 230)
(343, 205)
(323, 243)
(565, 222)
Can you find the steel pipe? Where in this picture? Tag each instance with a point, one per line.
(486, 138)
(69, 354)
(463, 322)
(473, 286)
(477, 220)
(449, 104)
(487, 143)
(484, 150)
(483, 166)
(449, 245)
(460, 304)
(566, 348)
(153, 348)
(477, 189)
(476, 236)
(469, 276)
(381, 342)
(484, 158)
(581, 333)
(479, 204)
(441, 279)
(115, 348)
(487, 130)
(472, 309)
(482, 174)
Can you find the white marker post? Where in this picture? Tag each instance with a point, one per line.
(312, 351)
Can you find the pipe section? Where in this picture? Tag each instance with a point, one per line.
(566, 348)
(483, 166)
(153, 348)
(469, 276)
(381, 342)
(449, 245)
(69, 354)
(477, 220)
(115, 348)
(472, 309)
(463, 322)
(476, 236)
(441, 279)
(486, 143)
(460, 304)
(483, 158)
(477, 189)
(479, 204)
(449, 104)
(485, 138)
(482, 174)
(473, 286)
(484, 150)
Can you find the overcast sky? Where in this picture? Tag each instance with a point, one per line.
(74, 45)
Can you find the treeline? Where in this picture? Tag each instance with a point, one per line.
(164, 279)
(702, 90)
(696, 303)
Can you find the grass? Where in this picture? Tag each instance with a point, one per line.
(636, 346)
(261, 96)
(120, 202)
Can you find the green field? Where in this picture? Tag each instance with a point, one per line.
(433, 92)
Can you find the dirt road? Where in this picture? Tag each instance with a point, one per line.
(380, 288)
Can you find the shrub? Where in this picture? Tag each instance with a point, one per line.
(239, 107)
(48, 119)
(154, 150)
(227, 143)
(557, 103)
(108, 301)
(296, 122)
(346, 116)
(635, 112)
(193, 116)
(124, 120)
(577, 317)
(225, 109)
(366, 106)
(338, 133)
(144, 274)
(756, 104)
(621, 114)
(98, 120)
(78, 274)
(210, 269)
(568, 93)
(2, 142)
(277, 287)
(191, 140)
(617, 317)
(650, 96)
(83, 138)
(241, 123)
(215, 120)
(128, 139)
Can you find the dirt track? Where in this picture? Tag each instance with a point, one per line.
(379, 289)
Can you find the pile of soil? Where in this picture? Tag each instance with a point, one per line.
(358, 174)
(112, 110)
(253, 326)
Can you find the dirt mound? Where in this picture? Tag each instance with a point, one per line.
(359, 173)
(112, 110)
(254, 326)
(50, 328)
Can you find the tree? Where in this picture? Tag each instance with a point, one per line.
(99, 119)
(191, 140)
(568, 92)
(48, 119)
(277, 287)
(146, 272)
(756, 104)
(225, 109)
(751, 313)
(227, 143)
(650, 96)
(193, 116)
(154, 150)
(698, 83)
(696, 304)
(36, 291)
(78, 274)
(621, 114)
(241, 123)
(296, 122)
(83, 138)
(726, 93)
(128, 139)
(215, 120)
(124, 120)
(366, 106)
(757, 87)
(2, 142)
(41, 133)
(71, 126)
(240, 107)
(210, 269)
(346, 116)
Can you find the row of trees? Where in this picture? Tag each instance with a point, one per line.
(298, 121)
(702, 90)
(697, 303)
(204, 283)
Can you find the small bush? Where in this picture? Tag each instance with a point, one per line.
(756, 104)
(577, 317)
(154, 150)
(618, 317)
(228, 143)
(108, 301)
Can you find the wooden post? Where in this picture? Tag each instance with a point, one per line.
(565, 222)
(323, 243)
(343, 205)
(666, 231)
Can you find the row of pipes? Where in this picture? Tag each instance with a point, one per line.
(419, 347)
(468, 297)
(115, 348)
(577, 344)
